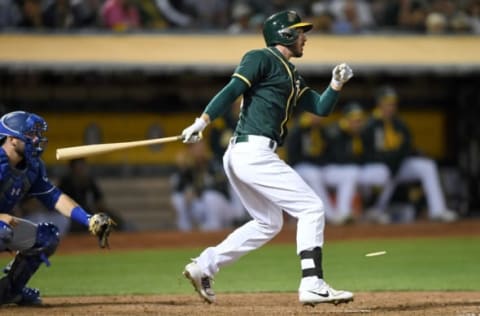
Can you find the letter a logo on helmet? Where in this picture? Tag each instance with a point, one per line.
(281, 28)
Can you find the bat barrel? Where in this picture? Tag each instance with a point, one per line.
(68, 153)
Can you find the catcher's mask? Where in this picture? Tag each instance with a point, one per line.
(29, 128)
(281, 28)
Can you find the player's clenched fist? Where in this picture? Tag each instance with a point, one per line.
(340, 75)
(193, 133)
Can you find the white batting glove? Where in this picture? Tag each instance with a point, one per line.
(193, 133)
(340, 75)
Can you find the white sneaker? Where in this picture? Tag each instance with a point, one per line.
(200, 281)
(445, 216)
(324, 294)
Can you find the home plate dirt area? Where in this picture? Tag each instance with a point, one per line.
(372, 303)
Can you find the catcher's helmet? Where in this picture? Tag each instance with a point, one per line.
(281, 28)
(28, 127)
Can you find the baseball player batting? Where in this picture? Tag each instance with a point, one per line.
(271, 90)
(22, 173)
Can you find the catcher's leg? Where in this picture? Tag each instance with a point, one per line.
(26, 263)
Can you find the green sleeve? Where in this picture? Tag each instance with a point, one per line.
(319, 104)
(222, 101)
(251, 68)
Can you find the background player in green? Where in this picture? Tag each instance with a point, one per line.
(307, 149)
(390, 142)
(271, 89)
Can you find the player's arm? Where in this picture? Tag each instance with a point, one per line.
(318, 103)
(215, 108)
(324, 103)
(54, 199)
(68, 207)
(98, 224)
(218, 105)
(245, 75)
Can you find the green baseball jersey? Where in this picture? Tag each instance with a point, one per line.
(344, 147)
(274, 85)
(271, 89)
(377, 149)
(306, 143)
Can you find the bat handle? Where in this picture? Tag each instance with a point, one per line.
(198, 134)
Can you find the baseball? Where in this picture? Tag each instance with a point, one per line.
(374, 254)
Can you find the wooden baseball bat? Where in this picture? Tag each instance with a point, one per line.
(67, 153)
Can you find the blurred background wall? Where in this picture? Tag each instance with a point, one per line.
(97, 79)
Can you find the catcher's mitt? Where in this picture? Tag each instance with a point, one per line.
(101, 225)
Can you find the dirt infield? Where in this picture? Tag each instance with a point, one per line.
(377, 303)
(279, 304)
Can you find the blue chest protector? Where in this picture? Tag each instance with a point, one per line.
(31, 180)
(16, 183)
(28, 178)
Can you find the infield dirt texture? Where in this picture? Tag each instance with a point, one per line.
(371, 303)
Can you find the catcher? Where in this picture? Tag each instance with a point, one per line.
(22, 173)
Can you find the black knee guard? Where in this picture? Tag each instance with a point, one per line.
(28, 261)
(314, 255)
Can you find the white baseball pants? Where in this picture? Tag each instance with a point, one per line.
(425, 170)
(314, 177)
(211, 211)
(266, 185)
(347, 179)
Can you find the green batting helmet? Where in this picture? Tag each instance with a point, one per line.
(281, 28)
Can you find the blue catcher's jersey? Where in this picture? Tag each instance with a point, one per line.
(32, 181)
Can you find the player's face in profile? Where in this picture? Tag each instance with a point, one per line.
(19, 146)
(297, 47)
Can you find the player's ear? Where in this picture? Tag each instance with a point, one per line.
(13, 140)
